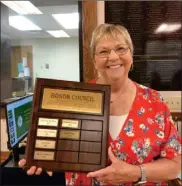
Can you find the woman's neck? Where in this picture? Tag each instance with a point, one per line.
(119, 85)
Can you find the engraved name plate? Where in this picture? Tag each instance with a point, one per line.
(45, 144)
(48, 122)
(70, 123)
(46, 133)
(69, 134)
(74, 101)
(44, 155)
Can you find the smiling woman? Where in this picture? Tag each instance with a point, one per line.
(112, 50)
(145, 140)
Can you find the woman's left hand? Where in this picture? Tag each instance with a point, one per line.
(117, 173)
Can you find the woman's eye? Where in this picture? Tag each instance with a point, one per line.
(120, 49)
(103, 52)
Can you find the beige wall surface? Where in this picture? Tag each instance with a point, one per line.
(100, 12)
(4, 136)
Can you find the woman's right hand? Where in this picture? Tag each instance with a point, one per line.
(33, 169)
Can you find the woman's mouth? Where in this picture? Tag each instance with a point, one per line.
(114, 66)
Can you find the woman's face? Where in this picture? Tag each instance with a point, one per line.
(116, 64)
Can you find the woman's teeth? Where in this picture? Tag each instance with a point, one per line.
(114, 66)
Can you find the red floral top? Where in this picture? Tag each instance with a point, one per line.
(148, 133)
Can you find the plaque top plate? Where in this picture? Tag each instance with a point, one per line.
(72, 100)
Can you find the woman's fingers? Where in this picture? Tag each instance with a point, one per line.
(31, 171)
(38, 171)
(49, 173)
(22, 163)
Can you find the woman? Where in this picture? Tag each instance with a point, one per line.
(144, 145)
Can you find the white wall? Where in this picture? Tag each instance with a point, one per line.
(62, 55)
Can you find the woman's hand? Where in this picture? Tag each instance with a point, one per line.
(33, 169)
(117, 173)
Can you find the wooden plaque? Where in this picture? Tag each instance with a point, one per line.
(69, 126)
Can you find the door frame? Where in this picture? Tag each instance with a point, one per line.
(87, 23)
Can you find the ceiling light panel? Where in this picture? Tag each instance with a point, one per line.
(58, 33)
(22, 7)
(22, 23)
(68, 21)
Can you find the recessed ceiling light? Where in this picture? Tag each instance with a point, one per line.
(68, 21)
(22, 7)
(58, 33)
(22, 23)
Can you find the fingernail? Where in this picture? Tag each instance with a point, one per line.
(28, 172)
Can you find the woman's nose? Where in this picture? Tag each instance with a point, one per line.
(113, 55)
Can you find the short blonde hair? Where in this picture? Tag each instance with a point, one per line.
(110, 30)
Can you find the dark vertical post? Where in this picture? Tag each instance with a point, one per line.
(5, 63)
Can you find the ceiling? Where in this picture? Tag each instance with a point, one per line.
(39, 3)
(45, 21)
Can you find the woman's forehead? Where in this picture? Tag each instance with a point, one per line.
(110, 40)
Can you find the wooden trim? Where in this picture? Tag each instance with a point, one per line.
(89, 22)
(176, 182)
(80, 41)
(4, 156)
(177, 115)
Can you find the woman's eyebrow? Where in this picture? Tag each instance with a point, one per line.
(103, 47)
(121, 44)
(107, 47)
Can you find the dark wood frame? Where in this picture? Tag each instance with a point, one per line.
(88, 22)
(102, 118)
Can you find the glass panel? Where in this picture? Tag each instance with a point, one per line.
(156, 31)
(43, 38)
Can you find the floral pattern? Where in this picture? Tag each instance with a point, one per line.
(148, 133)
(128, 129)
(141, 148)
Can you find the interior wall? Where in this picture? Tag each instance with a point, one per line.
(54, 58)
(17, 55)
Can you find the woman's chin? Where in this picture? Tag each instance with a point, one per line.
(117, 74)
(115, 78)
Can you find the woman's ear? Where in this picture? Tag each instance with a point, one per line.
(95, 65)
(132, 66)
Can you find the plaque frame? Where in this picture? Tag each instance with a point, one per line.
(97, 133)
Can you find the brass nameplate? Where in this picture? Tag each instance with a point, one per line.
(69, 134)
(70, 123)
(43, 155)
(48, 122)
(46, 133)
(72, 100)
(45, 144)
